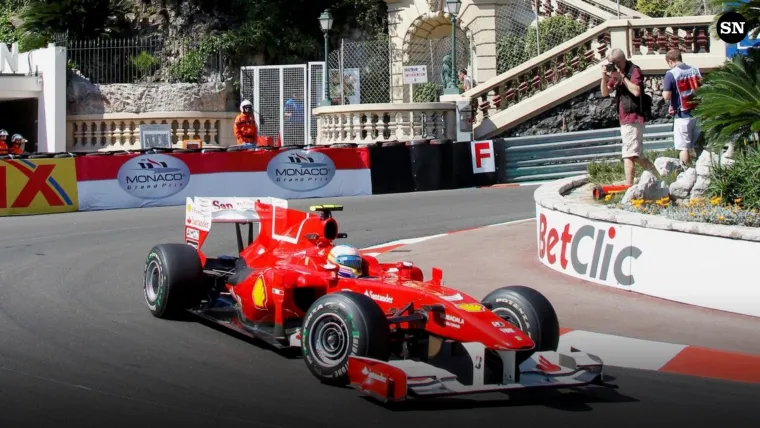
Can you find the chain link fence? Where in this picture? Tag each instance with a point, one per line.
(431, 53)
(142, 60)
(360, 72)
(518, 41)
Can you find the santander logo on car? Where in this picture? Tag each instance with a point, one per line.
(588, 252)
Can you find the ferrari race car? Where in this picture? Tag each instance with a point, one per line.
(388, 332)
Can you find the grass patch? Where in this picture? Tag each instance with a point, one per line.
(610, 172)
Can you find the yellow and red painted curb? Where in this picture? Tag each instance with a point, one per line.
(619, 351)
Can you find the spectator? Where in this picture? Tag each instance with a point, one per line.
(466, 81)
(18, 144)
(681, 83)
(245, 125)
(294, 117)
(3, 142)
(627, 80)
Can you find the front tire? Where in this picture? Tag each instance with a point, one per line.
(172, 279)
(339, 325)
(531, 312)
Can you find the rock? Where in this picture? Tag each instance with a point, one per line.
(699, 190)
(648, 188)
(84, 97)
(681, 188)
(588, 111)
(705, 163)
(665, 166)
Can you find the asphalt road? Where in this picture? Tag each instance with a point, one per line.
(79, 348)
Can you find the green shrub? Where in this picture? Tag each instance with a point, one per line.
(510, 52)
(652, 8)
(513, 50)
(740, 181)
(143, 63)
(684, 8)
(552, 32)
(427, 92)
(190, 67)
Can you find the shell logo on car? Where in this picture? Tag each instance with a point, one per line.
(260, 294)
(471, 307)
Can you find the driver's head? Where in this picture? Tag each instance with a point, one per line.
(246, 107)
(347, 259)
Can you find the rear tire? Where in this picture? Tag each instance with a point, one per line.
(339, 325)
(173, 279)
(531, 312)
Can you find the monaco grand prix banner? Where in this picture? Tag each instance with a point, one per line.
(655, 262)
(152, 180)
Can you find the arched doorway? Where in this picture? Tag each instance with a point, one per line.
(427, 42)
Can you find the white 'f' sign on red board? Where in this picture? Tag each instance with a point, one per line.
(483, 159)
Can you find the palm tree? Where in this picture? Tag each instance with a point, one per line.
(728, 109)
(749, 9)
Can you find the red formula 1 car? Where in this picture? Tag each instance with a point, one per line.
(388, 333)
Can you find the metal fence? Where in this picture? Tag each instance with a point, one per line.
(549, 157)
(360, 72)
(283, 97)
(141, 60)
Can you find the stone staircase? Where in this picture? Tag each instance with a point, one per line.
(571, 68)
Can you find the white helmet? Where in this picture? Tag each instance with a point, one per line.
(3, 133)
(347, 259)
(244, 104)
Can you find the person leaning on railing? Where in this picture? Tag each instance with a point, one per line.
(627, 80)
(245, 128)
(18, 145)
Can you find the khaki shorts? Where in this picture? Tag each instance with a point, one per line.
(685, 133)
(633, 140)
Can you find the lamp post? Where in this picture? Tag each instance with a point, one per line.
(452, 6)
(326, 22)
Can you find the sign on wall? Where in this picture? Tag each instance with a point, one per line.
(156, 136)
(415, 74)
(483, 157)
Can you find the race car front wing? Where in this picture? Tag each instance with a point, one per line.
(398, 380)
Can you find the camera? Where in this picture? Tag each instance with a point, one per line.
(609, 68)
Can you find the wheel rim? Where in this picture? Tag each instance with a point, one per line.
(329, 340)
(152, 283)
(510, 316)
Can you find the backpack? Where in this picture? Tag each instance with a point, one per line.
(687, 86)
(645, 100)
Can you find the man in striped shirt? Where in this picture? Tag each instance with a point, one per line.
(680, 86)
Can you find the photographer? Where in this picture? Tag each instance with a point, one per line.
(627, 81)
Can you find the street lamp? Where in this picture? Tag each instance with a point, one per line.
(326, 22)
(452, 6)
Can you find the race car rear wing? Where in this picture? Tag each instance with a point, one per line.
(201, 213)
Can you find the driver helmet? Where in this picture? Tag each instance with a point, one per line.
(347, 259)
(246, 106)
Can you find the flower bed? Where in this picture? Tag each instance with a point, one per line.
(717, 190)
(695, 210)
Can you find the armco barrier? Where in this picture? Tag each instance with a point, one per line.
(46, 183)
(150, 180)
